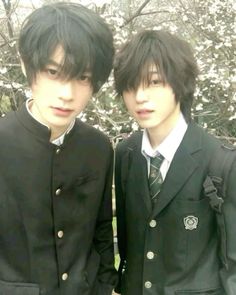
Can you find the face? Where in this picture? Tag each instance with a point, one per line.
(153, 106)
(56, 102)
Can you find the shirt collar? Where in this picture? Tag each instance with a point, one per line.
(59, 140)
(169, 145)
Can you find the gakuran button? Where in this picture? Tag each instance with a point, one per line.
(153, 223)
(58, 191)
(150, 255)
(64, 276)
(148, 285)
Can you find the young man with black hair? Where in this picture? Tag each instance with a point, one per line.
(56, 171)
(169, 240)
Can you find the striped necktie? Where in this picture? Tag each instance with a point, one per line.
(155, 178)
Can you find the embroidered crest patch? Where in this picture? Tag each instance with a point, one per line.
(190, 222)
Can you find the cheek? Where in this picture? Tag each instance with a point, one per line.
(167, 100)
(44, 89)
(128, 101)
(82, 91)
(38, 93)
(82, 97)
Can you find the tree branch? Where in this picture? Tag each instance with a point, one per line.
(8, 11)
(136, 14)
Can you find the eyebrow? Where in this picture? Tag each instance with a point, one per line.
(153, 72)
(54, 63)
(149, 73)
(59, 66)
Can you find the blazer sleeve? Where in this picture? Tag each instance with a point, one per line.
(228, 272)
(107, 275)
(121, 168)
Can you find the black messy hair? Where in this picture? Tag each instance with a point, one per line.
(85, 38)
(172, 57)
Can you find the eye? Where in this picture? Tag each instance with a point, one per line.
(155, 82)
(52, 73)
(85, 78)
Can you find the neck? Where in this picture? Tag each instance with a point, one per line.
(158, 134)
(55, 131)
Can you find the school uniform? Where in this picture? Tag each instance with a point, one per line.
(55, 210)
(173, 247)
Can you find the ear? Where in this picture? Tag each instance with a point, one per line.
(23, 67)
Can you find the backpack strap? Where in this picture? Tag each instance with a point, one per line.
(215, 188)
(212, 193)
(215, 184)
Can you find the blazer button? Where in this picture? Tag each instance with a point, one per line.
(148, 285)
(58, 151)
(153, 223)
(58, 192)
(60, 234)
(64, 276)
(150, 255)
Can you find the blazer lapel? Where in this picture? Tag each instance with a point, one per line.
(182, 167)
(141, 176)
(138, 173)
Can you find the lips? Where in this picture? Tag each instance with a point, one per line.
(144, 114)
(61, 111)
(144, 111)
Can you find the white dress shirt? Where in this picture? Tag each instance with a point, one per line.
(168, 146)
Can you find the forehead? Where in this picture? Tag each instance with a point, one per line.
(58, 56)
(60, 59)
(152, 68)
(148, 70)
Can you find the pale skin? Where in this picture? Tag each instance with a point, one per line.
(56, 102)
(154, 107)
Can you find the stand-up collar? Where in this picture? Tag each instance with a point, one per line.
(38, 129)
(32, 125)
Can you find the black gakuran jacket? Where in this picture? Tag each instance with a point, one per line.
(55, 210)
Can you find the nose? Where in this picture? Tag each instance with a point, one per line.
(66, 91)
(141, 95)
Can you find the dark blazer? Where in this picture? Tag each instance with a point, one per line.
(55, 210)
(174, 248)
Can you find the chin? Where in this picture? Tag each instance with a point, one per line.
(146, 125)
(60, 124)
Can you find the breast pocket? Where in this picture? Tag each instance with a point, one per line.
(187, 227)
(196, 219)
(189, 217)
(86, 184)
(83, 179)
(8, 288)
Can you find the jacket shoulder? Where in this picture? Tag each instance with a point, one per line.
(208, 141)
(132, 142)
(6, 122)
(91, 133)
